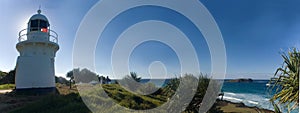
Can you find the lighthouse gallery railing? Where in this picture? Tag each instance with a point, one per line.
(53, 36)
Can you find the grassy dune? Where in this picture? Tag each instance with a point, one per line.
(69, 101)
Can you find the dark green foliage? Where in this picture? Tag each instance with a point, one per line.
(71, 76)
(2, 74)
(135, 77)
(70, 103)
(194, 105)
(9, 78)
(61, 80)
(203, 83)
(84, 75)
(171, 87)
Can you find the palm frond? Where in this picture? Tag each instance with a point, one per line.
(286, 81)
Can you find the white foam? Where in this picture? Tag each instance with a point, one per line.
(249, 99)
(229, 93)
(252, 102)
(232, 99)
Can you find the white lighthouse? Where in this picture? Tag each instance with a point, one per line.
(37, 47)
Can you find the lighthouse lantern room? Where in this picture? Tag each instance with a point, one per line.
(37, 47)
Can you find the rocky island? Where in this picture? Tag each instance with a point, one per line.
(241, 80)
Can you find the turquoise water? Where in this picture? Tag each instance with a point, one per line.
(254, 93)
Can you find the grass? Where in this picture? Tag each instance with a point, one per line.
(141, 102)
(106, 98)
(67, 101)
(113, 98)
(70, 101)
(7, 86)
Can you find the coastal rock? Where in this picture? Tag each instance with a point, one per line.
(241, 80)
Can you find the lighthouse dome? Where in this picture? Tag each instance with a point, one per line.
(38, 22)
(39, 17)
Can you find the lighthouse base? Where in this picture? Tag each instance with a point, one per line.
(36, 91)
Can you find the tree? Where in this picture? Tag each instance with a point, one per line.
(71, 76)
(2, 74)
(9, 78)
(85, 75)
(171, 87)
(194, 105)
(61, 80)
(287, 80)
(135, 77)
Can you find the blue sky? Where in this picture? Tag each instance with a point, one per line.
(254, 33)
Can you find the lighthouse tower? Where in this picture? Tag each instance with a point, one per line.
(37, 47)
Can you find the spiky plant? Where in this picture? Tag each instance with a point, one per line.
(287, 80)
(135, 77)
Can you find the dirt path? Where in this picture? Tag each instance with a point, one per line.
(5, 91)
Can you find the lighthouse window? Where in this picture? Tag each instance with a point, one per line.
(43, 24)
(36, 25)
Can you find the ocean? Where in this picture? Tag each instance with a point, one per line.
(254, 93)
